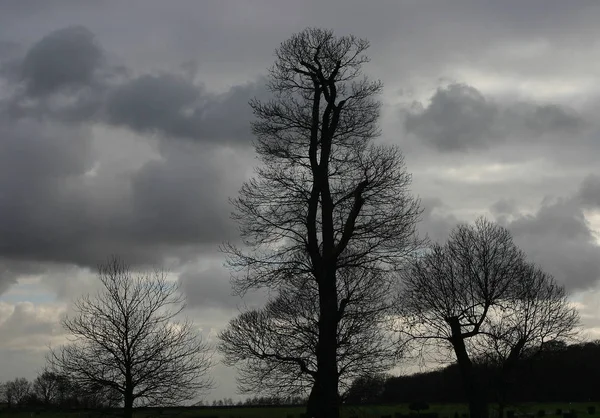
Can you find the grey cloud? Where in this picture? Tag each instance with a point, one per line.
(436, 221)
(78, 214)
(184, 197)
(37, 164)
(504, 207)
(83, 105)
(559, 238)
(164, 102)
(64, 76)
(65, 196)
(432, 34)
(174, 106)
(62, 204)
(26, 322)
(27, 329)
(589, 192)
(460, 118)
(548, 118)
(64, 58)
(11, 270)
(211, 288)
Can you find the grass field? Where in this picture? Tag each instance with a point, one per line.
(375, 411)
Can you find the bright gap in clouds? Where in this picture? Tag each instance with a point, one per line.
(28, 290)
(544, 88)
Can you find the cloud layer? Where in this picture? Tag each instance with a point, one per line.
(124, 128)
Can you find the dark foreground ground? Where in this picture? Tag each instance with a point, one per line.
(527, 410)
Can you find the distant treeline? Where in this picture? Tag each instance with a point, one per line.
(562, 373)
(257, 401)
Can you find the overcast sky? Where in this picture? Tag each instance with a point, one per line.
(124, 129)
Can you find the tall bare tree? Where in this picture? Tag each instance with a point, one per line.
(275, 347)
(450, 295)
(325, 197)
(126, 339)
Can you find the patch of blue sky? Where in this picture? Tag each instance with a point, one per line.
(27, 292)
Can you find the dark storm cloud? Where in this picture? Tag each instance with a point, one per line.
(63, 199)
(460, 118)
(174, 106)
(165, 102)
(183, 198)
(65, 58)
(64, 76)
(67, 77)
(559, 239)
(61, 205)
(37, 162)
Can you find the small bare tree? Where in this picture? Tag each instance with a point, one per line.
(50, 388)
(449, 295)
(16, 391)
(126, 339)
(275, 347)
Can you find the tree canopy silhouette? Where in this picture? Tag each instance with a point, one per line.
(478, 296)
(126, 339)
(325, 197)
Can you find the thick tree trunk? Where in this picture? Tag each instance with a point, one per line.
(475, 395)
(327, 386)
(128, 409)
(313, 400)
(128, 403)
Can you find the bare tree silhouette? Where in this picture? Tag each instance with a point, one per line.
(126, 339)
(477, 292)
(325, 198)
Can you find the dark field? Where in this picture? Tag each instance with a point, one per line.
(529, 410)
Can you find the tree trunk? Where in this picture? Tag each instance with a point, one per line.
(327, 382)
(128, 403)
(475, 395)
(128, 409)
(504, 375)
(501, 406)
(313, 400)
